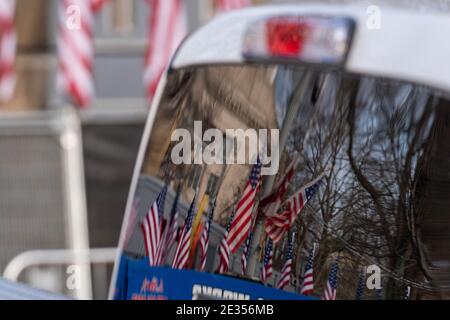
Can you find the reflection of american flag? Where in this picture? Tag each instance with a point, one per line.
(270, 204)
(308, 276)
(170, 229)
(204, 240)
(243, 219)
(227, 5)
(76, 51)
(167, 29)
(285, 277)
(361, 285)
(278, 224)
(224, 249)
(151, 230)
(266, 270)
(8, 41)
(184, 243)
(330, 289)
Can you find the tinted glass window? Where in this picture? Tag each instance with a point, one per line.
(381, 146)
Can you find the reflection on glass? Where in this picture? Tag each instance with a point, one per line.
(382, 145)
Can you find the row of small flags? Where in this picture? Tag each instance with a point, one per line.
(237, 231)
(75, 80)
(240, 222)
(307, 287)
(160, 235)
(156, 230)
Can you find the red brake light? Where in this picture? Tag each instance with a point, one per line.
(309, 39)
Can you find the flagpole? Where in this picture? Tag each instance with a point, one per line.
(293, 107)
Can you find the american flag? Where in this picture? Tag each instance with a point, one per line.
(224, 249)
(151, 230)
(227, 5)
(277, 225)
(204, 240)
(167, 28)
(330, 289)
(184, 243)
(270, 204)
(246, 253)
(379, 294)
(242, 221)
(361, 285)
(8, 41)
(285, 277)
(76, 50)
(308, 275)
(266, 269)
(170, 229)
(160, 202)
(247, 249)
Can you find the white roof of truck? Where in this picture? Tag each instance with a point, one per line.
(410, 45)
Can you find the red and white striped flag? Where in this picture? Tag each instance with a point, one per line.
(131, 225)
(278, 224)
(224, 254)
(246, 253)
(224, 248)
(75, 49)
(204, 240)
(266, 269)
(243, 219)
(8, 41)
(169, 234)
(227, 5)
(204, 243)
(167, 28)
(151, 230)
(181, 258)
(160, 201)
(308, 276)
(285, 277)
(247, 249)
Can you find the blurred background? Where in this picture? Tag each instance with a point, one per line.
(66, 165)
